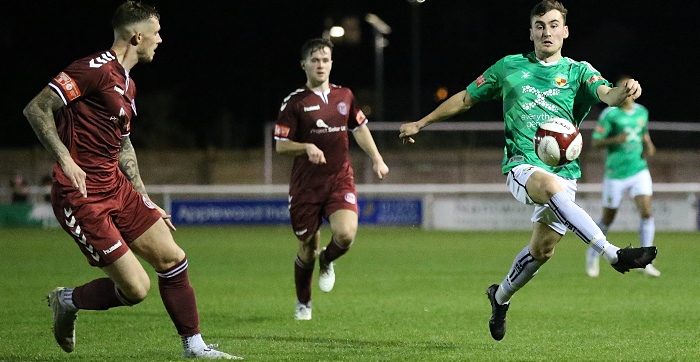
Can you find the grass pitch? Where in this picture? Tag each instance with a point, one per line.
(401, 294)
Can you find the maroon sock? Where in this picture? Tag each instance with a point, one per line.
(303, 274)
(333, 251)
(178, 297)
(99, 294)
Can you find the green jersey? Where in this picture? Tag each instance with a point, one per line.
(533, 92)
(623, 159)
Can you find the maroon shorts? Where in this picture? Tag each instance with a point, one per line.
(104, 223)
(307, 213)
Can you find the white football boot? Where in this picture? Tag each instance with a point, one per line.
(194, 347)
(302, 312)
(326, 278)
(63, 318)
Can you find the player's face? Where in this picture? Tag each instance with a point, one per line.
(150, 38)
(317, 66)
(548, 33)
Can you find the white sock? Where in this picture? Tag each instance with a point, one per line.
(67, 299)
(604, 248)
(524, 267)
(604, 228)
(578, 221)
(193, 342)
(647, 229)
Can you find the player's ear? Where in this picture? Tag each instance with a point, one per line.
(302, 65)
(135, 39)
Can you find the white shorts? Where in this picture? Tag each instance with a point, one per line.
(516, 180)
(614, 189)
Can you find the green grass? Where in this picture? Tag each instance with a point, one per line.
(402, 294)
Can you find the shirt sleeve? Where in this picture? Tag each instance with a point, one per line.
(488, 85)
(77, 80)
(356, 118)
(287, 121)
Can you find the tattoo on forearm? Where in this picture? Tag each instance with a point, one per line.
(39, 113)
(129, 166)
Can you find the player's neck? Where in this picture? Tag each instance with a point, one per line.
(548, 58)
(126, 56)
(318, 87)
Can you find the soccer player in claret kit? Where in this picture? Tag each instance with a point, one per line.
(534, 87)
(622, 131)
(313, 126)
(83, 118)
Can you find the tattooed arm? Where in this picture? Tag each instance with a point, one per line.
(39, 112)
(130, 169)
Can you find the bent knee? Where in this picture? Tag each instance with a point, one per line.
(135, 294)
(344, 237)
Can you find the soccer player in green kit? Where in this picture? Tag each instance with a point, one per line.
(535, 87)
(623, 132)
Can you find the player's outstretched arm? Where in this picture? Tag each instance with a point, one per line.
(458, 103)
(615, 96)
(365, 140)
(39, 112)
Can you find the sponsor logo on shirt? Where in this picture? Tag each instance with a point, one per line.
(342, 108)
(540, 98)
(595, 78)
(525, 75)
(312, 108)
(301, 232)
(68, 85)
(480, 80)
(281, 131)
(321, 124)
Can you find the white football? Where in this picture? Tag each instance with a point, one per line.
(557, 142)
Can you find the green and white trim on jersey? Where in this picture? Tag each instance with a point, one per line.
(533, 92)
(623, 159)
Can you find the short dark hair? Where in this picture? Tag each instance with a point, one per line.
(313, 45)
(546, 6)
(132, 12)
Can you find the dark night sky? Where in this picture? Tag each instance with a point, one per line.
(225, 65)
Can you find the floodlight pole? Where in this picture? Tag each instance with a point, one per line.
(380, 29)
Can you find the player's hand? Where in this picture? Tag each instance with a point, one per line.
(381, 169)
(407, 130)
(621, 138)
(164, 215)
(316, 156)
(76, 175)
(632, 88)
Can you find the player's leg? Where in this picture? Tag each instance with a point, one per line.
(104, 247)
(613, 191)
(343, 228)
(542, 185)
(303, 275)
(524, 267)
(157, 247)
(306, 221)
(641, 191)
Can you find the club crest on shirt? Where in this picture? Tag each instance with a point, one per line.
(350, 198)
(343, 108)
(561, 81)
